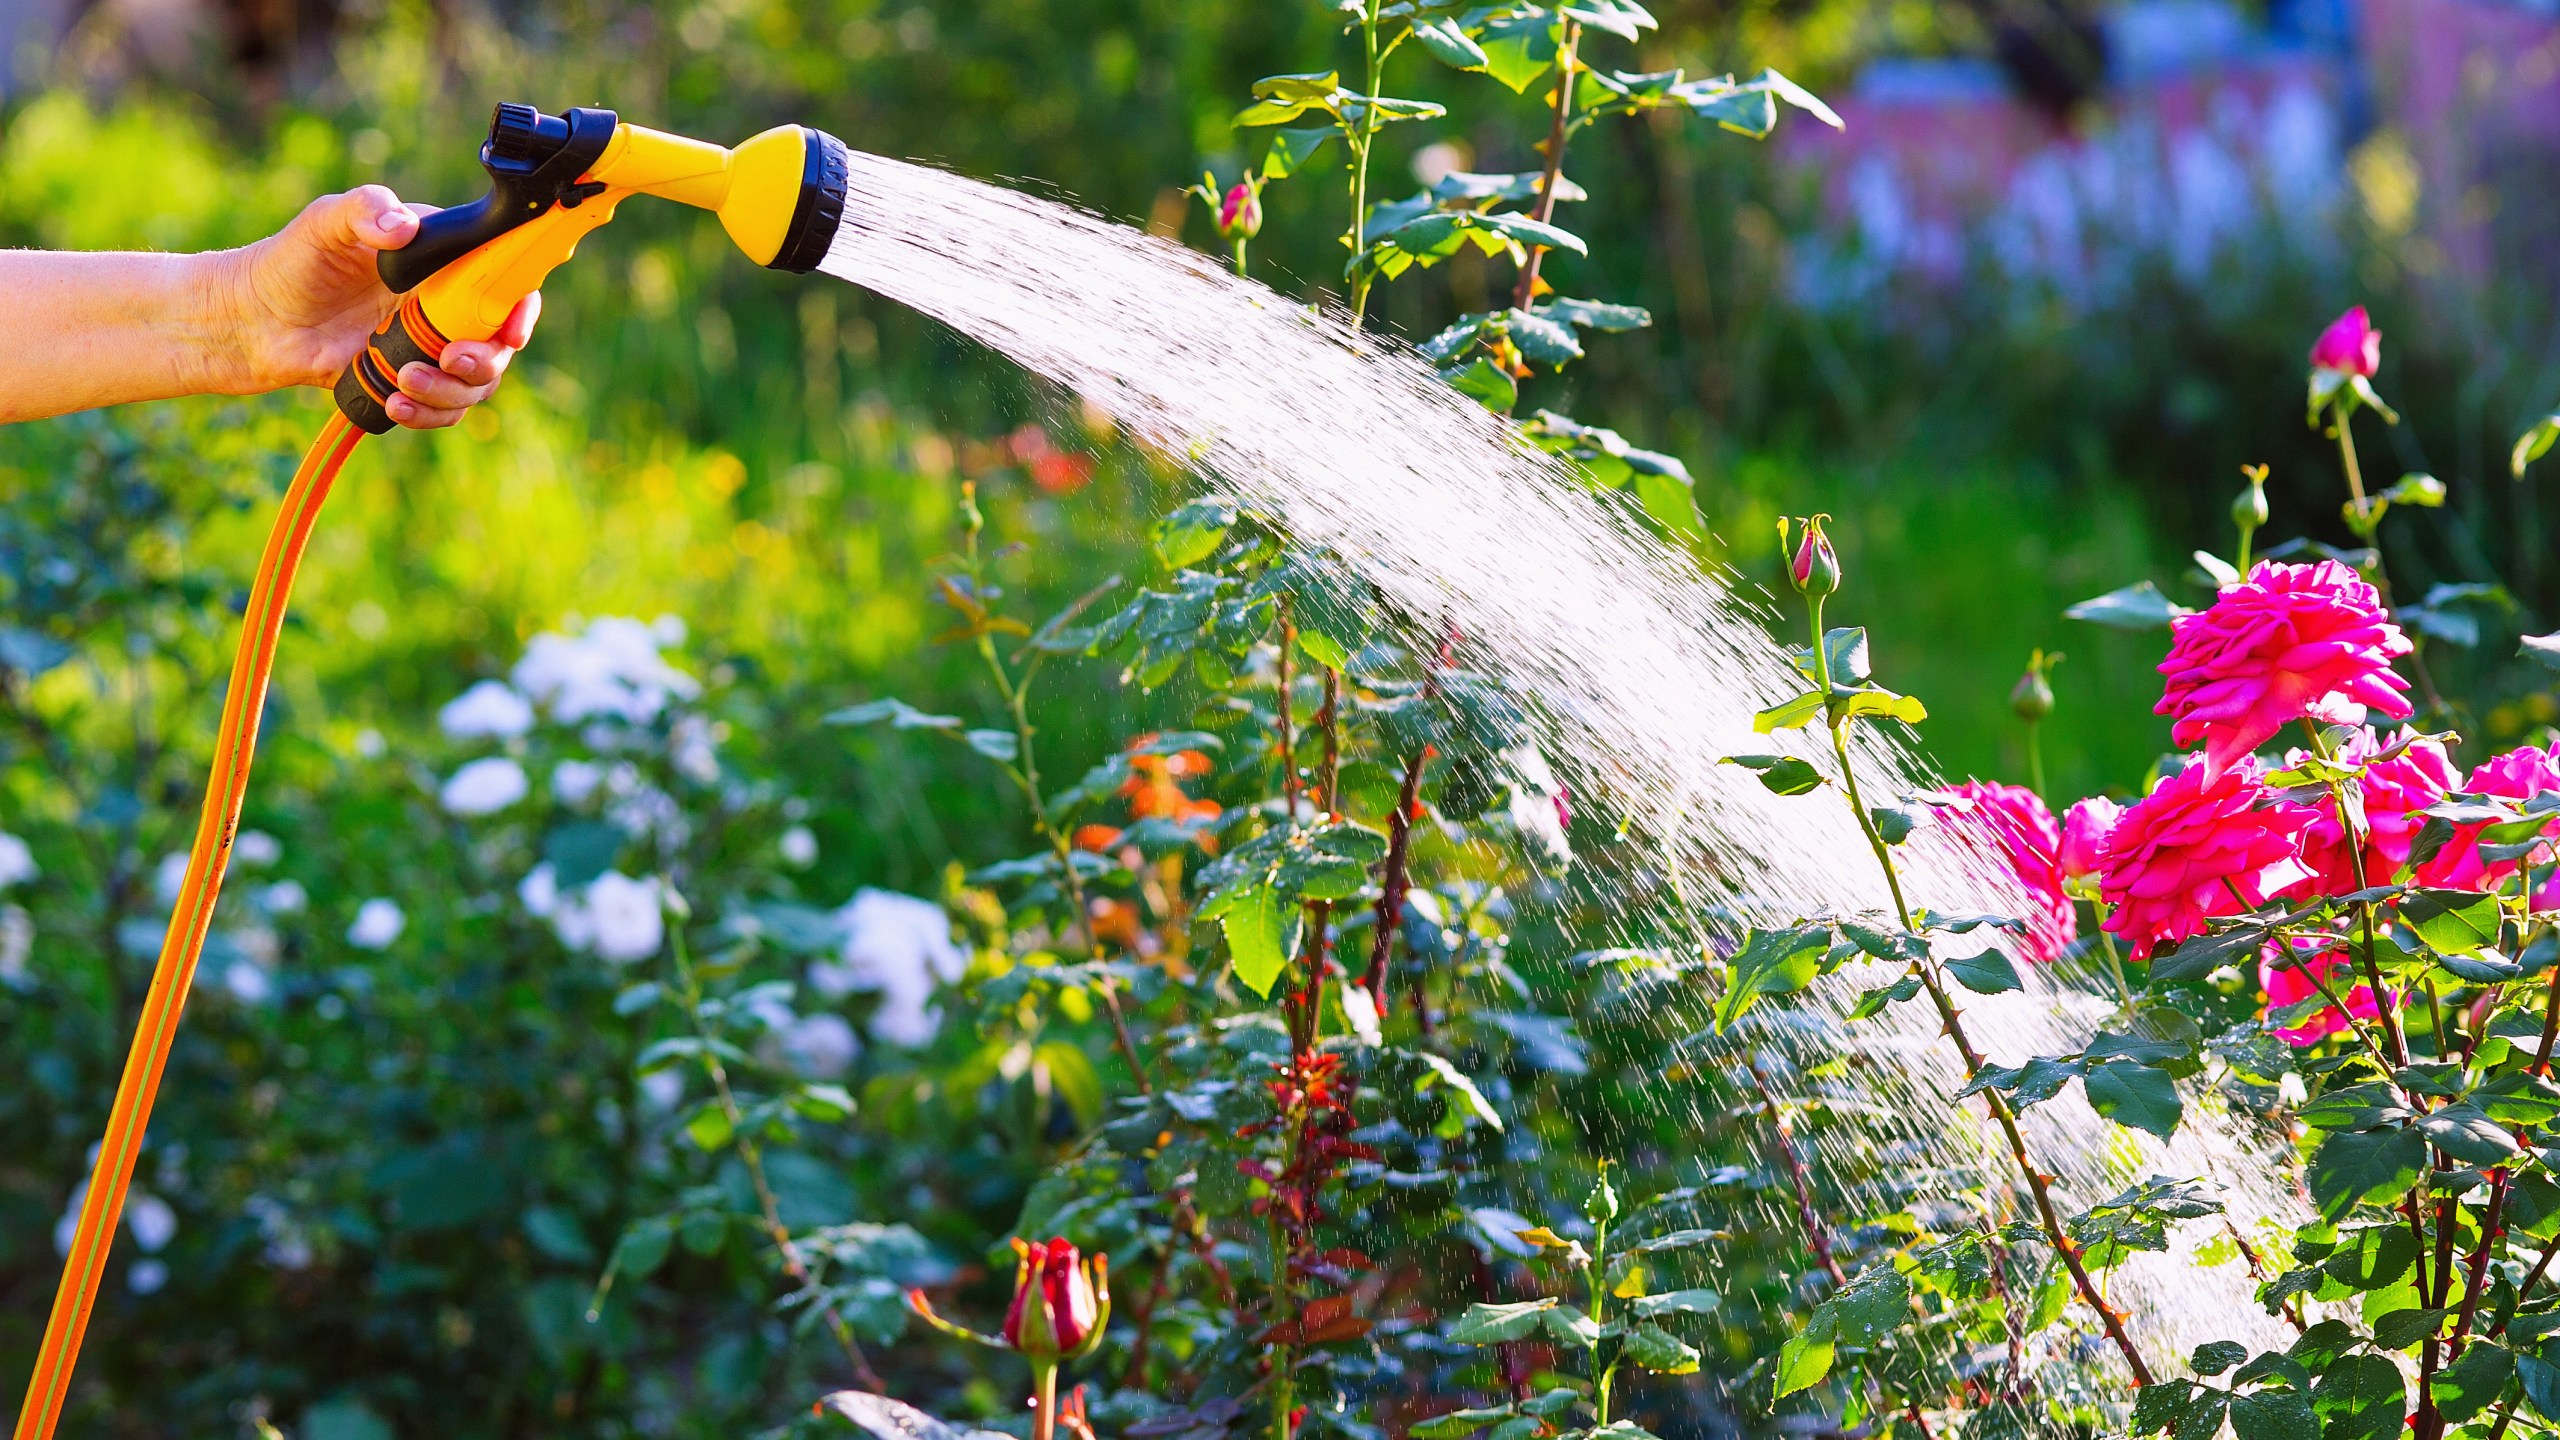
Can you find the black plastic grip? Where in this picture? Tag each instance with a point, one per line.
(365, 387)
(534, 161)
(824, 174)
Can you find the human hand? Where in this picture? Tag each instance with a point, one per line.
(304, 301)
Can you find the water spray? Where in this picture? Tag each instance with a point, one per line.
(552, 179)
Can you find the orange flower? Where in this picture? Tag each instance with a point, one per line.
(1096, 838)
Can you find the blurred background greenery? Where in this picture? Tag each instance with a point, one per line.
(776, 462)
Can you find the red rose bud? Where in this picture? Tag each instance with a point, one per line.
(1240, 214)
(1059, 1302)
(2350, 346)
(2032, 698)
(1815, 568)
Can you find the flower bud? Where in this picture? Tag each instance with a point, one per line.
(1601, 1206)
(2084, 831)
(1240, 213)
(1059, 1302)
(2249, 507)
(2031, 699)
(1814, 569)
(2350, 346)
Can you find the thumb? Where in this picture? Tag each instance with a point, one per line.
(369, 216)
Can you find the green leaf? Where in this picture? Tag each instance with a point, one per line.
(2541, 1381)
(899, 714)
(1988, 973)
(2461, 1131)
(2361, 1397)
(2274, 1415)
(1897, 823)
(2452, 921)
(1783, 774)
(1876, 700)
(1787, 716)
(2377, 1165)
(1872, 1002)
(1677, 1302)
(1870, 1305)
(2216, 1356)
(1459, 1423)
(1495, 1324)
(2157, 1407)
(1291, 149)
(1593, 314)
(1804, 1360)
(1543, 340)
(1661, 1352)
(997, 745)
(1519, 47)
(1261, 926)
(1450, 45)
(2544, 650)
(2373, 1258)
(1192, 532)
(1437, 1070)
(1487, 384)
(709, 1129)
(2533, 444)
(1801, 98)
(2201, 955)
(2474, 1382)
(2140, 1096)
(2138, 606)
(1573, 1327)
(2415, 488)
(1770, 962)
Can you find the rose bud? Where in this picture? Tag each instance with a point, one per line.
(2031, 699)
(2249, 507)
(2350, 346)
(1059, 1302)
(1240, 213)
(1815, 568)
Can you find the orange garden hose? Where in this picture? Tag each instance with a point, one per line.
(158, 1027)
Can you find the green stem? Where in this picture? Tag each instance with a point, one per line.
(2035, 758)
(2358, 521)
(1362, 139)
(1239, 256)
(752, 1156)
(2247, 532)
(1044, 1397)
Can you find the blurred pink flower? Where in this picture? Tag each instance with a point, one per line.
(2010, 825)
(2084, 830)
(2291, 642)
(2292, 985)
(2520, 774)
(1240, 213)
(2350, 345)
(2199, 846)
(2395, 790)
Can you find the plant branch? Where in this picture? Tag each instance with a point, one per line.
(1558, 133)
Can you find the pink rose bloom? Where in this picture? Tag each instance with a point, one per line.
(2291, 642)
(2084, 829)
(2520, 774)
(2350, 345)
(2010, 825)
(2395, 790)
(2177, 857)
(2292, 986)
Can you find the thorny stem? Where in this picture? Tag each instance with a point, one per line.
(1557, 134)
(1394, 880)
(2478, 1272)
(2550, 1025)
(1288, 745)
(1025, 772)
(1817, 1235)
(2258, 1271)
(752, 1156)
(1935, 983)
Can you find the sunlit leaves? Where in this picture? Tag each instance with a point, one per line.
(2139, 606)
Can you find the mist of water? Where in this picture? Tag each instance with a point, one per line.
(1641, 667)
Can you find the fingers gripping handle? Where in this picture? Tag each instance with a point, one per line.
(366, 386)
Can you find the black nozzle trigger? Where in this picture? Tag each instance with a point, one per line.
(519, 190)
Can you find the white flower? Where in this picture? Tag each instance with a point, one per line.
(696, 758)
(151, 1220)
(256, 849)
(17, 862)
(378, 922)
(799, 847)
(572, 781)
(540, 890)
(17, 943)
(900, 946)
(661, 1090)
(820, 1047)
(614, 669)
(484, 787)
(369, 743)
(285, 897)
(668, 631)
(169, 876)
(248, 982)
(617, 917)
(145, 1277)
(1539, 804)
(489, 710)
(1362, 1011)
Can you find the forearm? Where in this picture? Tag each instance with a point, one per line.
(92, 329)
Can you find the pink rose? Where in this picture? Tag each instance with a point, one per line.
(2350, 345)
(2201, 845)
(2292, 985)
(2009, 826)
(2520, 774)
(1240, 213)
(1815, 567)
(2291, 642)
(2084, 830)
(2394, 790)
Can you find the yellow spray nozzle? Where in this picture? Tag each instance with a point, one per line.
(780, 195)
